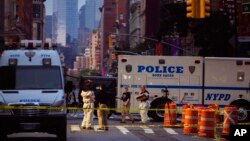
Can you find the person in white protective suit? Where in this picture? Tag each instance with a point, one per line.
(143, 104)
(88, 98)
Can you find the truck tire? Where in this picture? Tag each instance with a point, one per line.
(62, 135)
(157, 106)
(3, 136)
(62, 132)
(243, 112)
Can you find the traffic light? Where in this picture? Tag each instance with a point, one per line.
(113, 56)
(191, 9)
(110, 42)
(204, 8)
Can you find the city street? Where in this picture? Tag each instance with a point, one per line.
(117, 131)
(181, 67)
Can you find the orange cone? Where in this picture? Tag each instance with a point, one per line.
(170, 114)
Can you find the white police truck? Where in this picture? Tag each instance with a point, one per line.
(188, 80)
(32, 92)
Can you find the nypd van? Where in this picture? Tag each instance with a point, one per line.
(187, 80)
(32, 92)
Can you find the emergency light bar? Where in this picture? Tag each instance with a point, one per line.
(46, 45)
(38, 45)
(30, 45)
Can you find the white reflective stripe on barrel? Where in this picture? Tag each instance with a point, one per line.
(207, 119)
(206, 128)
(169, 118)
(190, 125)
(191, 117)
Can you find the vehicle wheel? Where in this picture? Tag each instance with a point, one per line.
(3, 137)
(62, 133)
(243, 110)
(157, 106)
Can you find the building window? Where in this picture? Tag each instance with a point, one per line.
(121, 17)
(36, 11)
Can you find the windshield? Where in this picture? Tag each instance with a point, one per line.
(27, 77)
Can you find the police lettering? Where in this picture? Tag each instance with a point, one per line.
(160, 69)
(29, 100)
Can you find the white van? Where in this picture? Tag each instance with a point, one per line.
(182, 76)
(188, 79)
(32, 93)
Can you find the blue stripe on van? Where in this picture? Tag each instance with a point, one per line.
(189, 87)
(181, 104)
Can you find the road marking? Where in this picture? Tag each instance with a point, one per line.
(95, 128)
(123, 129)
(147, 130)
(170, 131)
(74, 128)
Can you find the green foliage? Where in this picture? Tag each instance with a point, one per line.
(212, 35)
(140, 47)
(88, 72)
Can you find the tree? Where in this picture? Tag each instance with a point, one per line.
(212, 35)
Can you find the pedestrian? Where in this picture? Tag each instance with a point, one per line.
(143, 104)
(88, 99)
(68, 88)
(102, 100)
(126, 106)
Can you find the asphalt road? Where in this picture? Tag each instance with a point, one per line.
(153, 131)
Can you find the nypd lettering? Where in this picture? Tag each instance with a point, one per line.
(14, 55)
(219, 97)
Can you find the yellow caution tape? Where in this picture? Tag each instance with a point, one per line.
(80, 108)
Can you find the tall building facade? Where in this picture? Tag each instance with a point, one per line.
(134, 23)
(83, 32)
(122, 26)
(64, 21)
(48, 27)
(92, 14)
(1, 22)
(21, 20)
(38, 19)
(82, 15)
(94, 46)
(72, 18)
(59, 22)
(107, 25)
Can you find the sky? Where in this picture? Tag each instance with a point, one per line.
(48, 5)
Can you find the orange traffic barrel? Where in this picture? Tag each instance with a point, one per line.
(184, 107)
(215, 107)
(199, 108)
(207, 123)
(190, 121)
(230, 118)
(170, 114)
